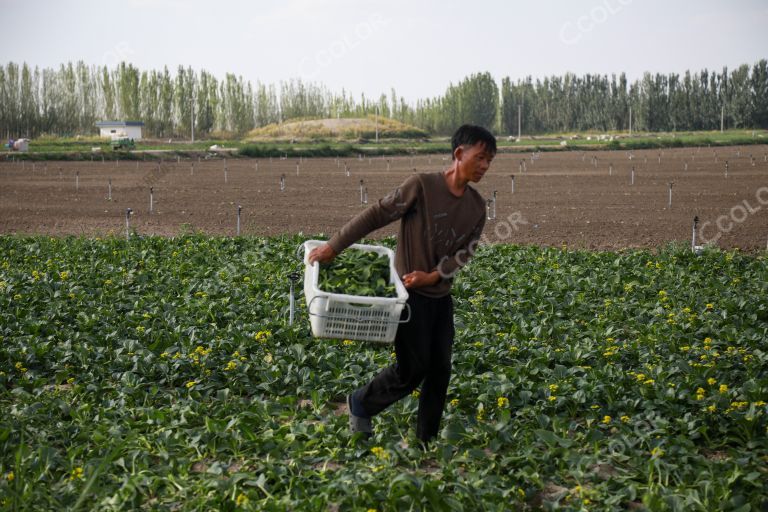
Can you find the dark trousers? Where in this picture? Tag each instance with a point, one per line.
(423, 349)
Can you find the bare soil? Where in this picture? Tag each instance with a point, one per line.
(559, 198)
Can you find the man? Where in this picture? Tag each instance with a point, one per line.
(442, 218)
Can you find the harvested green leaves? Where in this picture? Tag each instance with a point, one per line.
(357, 272)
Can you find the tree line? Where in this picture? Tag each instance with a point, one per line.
(69, 101)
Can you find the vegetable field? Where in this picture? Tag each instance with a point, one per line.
(162, 374)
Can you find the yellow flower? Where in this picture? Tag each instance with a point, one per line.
(268, 358)
(10, 476)
(64, 275)
(723, 388)
(586, 501)
(649, 382)
(640, 376)
(625, 419)
(262, 336)
(710, 306)
(606, 419)
(594, 407)
(76, 474)
(454, 402)
(552, 398)
(241, 500)
(707, 341)
(502, 402)
(348, 342)
(246, 279)
(191, 384)
(553, 388)
(230, 366)
(415, 393)
(657, 452)
(379, 452)
(16, 296)
(759, 403)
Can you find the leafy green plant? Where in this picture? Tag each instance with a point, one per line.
(162, 374)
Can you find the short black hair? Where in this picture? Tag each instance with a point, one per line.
(469, 135)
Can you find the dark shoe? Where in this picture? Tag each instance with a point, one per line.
(358, 423)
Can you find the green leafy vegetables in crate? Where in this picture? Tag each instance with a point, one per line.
(356, 272)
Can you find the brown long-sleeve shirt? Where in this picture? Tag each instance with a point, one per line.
(438, 230)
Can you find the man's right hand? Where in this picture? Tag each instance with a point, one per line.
(322, 254)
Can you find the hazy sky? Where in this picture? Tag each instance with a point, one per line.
(417, 47)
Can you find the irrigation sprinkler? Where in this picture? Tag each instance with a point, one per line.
(128, 213)
(521, 166)
(695, 248)
(388, 163)
(293, 278)
(137, 165)
(361, 192)
(297, 168)
(77, 180)
(671, 184)
(513, 182)
(365, 195)
(686, 166)
(239, 209)
(109, 197)
(610, 170)
(488, 208)
(117, 162)
(659, 158)
(282, 182)
(192, 169)
(346, 169)
(151, 199)
(494, 204)
(632, 176)
(752, 160)
(256, 166)
(225, 171)
(726, 168)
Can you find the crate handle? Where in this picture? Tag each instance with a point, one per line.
(359, 319)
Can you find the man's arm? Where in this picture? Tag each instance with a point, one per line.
(388, 209)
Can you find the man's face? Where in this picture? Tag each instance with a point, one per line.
(474, 161)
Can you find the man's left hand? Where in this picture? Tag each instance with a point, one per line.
(420, 279)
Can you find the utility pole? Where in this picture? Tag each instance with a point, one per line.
(519, 120)
(377, 124)
(630, 121)
(192, 118)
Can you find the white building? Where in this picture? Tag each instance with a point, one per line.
(120, 129)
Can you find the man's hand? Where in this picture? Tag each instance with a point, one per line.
(323, 254)
(420, 279)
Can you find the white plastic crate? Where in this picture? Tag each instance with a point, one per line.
(353, 317)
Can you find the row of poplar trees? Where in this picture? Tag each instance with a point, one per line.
(69, 101)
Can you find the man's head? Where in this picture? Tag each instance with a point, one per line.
(473, 150)
(469, 135)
